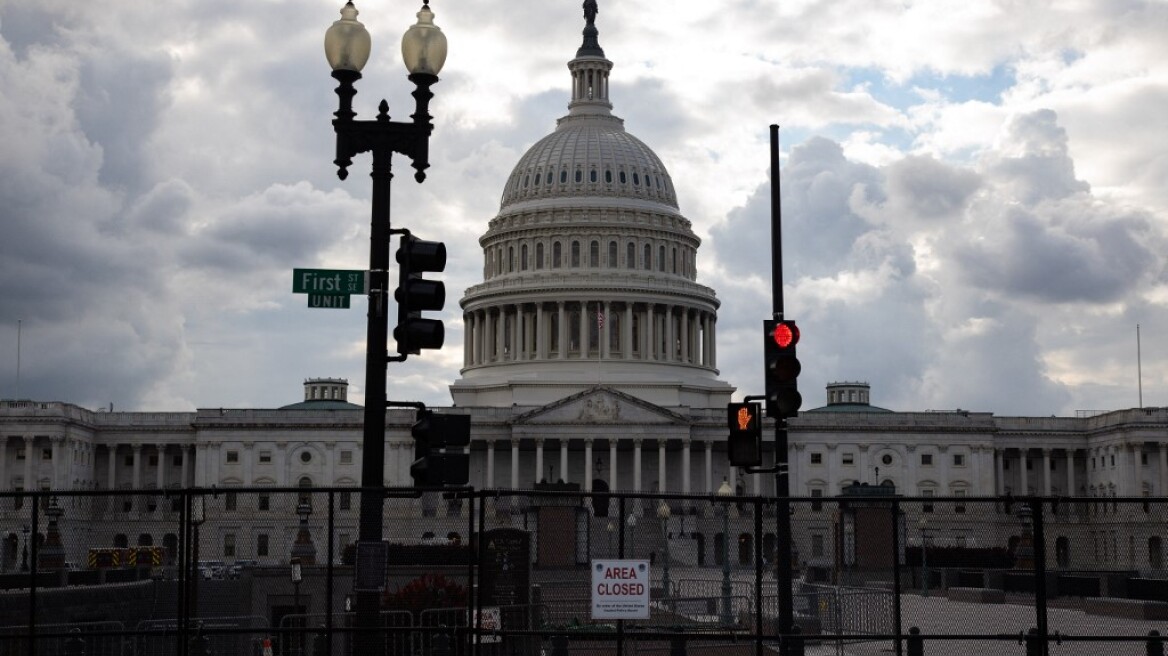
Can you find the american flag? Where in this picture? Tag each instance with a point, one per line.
(599, 320)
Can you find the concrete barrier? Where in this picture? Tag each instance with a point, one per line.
(976, 595)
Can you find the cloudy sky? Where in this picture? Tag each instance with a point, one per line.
(974, 197)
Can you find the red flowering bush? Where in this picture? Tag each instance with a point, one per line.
(430, 590)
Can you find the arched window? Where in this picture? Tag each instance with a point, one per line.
(623, 178)
(579, 175)
(564, 176)
(636, 180)
(594, 255)
(661, 258)
(608, 176)
(675, 259)
(630, 256)
(539, 256)
(592, 175)
(647, 262)
(537, 177)
(612, 255)
(523, 257)
(575, 254)
(556, 255)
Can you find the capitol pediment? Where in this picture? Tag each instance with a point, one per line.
(601, 405)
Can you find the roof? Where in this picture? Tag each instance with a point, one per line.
(322, 404)
(849, 407)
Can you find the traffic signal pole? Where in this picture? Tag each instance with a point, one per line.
(782, 474)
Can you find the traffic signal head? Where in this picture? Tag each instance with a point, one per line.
(781, 368)
(415, 294)
(744, 446)
(433, 464)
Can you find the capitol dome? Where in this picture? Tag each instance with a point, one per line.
(589, 270)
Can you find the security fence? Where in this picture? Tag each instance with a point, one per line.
(557, 571)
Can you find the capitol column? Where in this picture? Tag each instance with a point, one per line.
(661, 484)
(1071, 472)
(563, 460)
(627, 332)
(999, 471)
(1046, 472)
(1024, 485)
(501, 335)
(605, 346)
(248, 463)
(514, 463)
(670, 335)
(136, 449)
(650, 350)
(637, 465)
(490, 455)
(201, 465)
(539, 459)
(714, 343)
(612, 474)
(584, 334)
(516, 323)
(55, 448)
(562, 330)
(29, 448)
(709, 467)
(684, 321)
(685, 465)
(161, 466)
(587, 464)
(540, 333)
(185, 450)
(3, 462)
(705, 321)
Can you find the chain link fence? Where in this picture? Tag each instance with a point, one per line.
(182, 572)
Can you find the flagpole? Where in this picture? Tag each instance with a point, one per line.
(1139, 367)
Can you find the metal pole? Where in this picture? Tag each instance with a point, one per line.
(1040, 575)
(782, 483)
(727, 590)
(328, 590)
(376, 369)
(924, 562)
(896, 547)
(296, 605)
(32, 575)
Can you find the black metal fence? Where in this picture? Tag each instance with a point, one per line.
(183, 572)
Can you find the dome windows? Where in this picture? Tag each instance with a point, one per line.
(608, 176)
(526, 180)
(647, 260)
(523, 257)
(557, 253)
(539, 256)
(537, 179)
(636, 180)
(612, 257)
(592, 175)
(576, 253)
(579, 176)
(564, 176)
(623, 178)
(631, 256)
(661, 259)
(594, 255)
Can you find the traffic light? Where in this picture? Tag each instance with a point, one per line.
(745, 444)
(781, 369)
(415, 294)
(434, 464)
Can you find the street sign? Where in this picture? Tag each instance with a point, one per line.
(620, 589)
(328, 281)
(335, 301)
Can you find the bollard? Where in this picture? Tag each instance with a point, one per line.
(1033, 643)
(75, 646)
(1155, 644)
(796, 641)
(916, 644)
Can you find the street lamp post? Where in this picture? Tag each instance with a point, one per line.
(924, 557)
(663, 514)
(51, 556)
(347, 47)
(297, 577)
(611, 528)
(727, 590)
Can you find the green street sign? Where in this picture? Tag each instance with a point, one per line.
(333, 301)
(328, 281)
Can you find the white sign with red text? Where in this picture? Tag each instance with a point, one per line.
(620, 589)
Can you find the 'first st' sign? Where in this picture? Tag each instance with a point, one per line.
(620, 589)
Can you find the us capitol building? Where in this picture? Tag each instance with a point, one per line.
(590, 357)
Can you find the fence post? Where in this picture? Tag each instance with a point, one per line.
(1155, 644)
(916, 644)
(1033, 643)
(440, 644)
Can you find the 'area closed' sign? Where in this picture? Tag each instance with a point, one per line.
(620, 589)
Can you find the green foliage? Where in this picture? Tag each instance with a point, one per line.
(430, 590)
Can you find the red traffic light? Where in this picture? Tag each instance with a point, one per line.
(786, 334)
